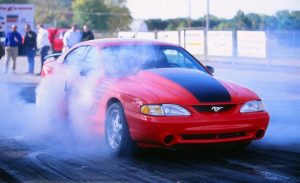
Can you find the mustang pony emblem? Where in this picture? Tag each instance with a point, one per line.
(216, 109)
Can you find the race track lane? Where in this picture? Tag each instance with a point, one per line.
(21, 162)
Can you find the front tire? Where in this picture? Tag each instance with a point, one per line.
(117, 135)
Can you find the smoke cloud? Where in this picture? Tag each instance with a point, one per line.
(59, 118)
(45, 124)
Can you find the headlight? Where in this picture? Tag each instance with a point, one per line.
(252, 106)
(164, 110)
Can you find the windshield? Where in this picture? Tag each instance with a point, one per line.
(129, 59)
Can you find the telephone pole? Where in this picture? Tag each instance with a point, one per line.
(206, 30)
(207, 15)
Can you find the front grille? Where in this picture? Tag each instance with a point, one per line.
(212, 136)
(213, 108)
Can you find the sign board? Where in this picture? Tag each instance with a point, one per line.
(219, 43)
(123, 34)
(251, 44)
(192, 41)
(168, 36)
(145, 35)
(16, 14)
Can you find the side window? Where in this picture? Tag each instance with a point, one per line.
(74, 57)
(91, 63)
(173, 56)
(177, 59)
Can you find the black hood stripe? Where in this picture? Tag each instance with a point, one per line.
(203, 86)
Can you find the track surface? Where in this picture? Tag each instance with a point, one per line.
(270, 160)
(21, 162)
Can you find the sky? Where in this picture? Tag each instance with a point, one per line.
(164, 9)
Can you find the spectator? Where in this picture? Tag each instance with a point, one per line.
(30, 47)
(13, 39)
(87, 34)
(2, 37)
(2, 51)
(2, 33)
(71, 37)
(43, 42)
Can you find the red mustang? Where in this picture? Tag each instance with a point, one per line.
(153, 94)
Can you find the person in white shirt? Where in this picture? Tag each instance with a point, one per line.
(71, 37)
(43, 42)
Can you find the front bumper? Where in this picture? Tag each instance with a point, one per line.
(149, 131)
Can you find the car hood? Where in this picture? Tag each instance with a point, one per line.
(189, 87)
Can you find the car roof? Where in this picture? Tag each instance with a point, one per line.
(122, 41)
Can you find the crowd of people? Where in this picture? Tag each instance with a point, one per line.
(33, 42)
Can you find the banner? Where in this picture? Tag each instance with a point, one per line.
(219, 43)
(16, 14)
(168, 36)
(145, 35)
(192, 41)
(251, 44)
(123, 34)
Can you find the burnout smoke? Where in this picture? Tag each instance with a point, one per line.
(16, 115)
(65, 99)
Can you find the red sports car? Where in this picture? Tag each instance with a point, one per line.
(151, 94)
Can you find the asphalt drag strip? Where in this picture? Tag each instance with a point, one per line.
(21, 162)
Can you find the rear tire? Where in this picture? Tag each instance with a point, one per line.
(117, 135)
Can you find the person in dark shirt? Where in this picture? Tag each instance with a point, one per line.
(2, 37)
(87, 34)
(30, 47)
(2, 52)
(12, 40)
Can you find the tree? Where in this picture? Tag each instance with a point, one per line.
(170, 26)
(241, 21)
(296, 19)
(214, 21)
(100, 15)
(55, 12)
(200, 22)
(269, 22)
(13, 1)
(156, 24)
(255, 21)
(182, 25)
(119, 18)
(285, 20)
(93, 13)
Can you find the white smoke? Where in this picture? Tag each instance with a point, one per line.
(13, 111)
(65, 99)
(60, 118)
(45, 124)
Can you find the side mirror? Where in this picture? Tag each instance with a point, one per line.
(210, 69)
